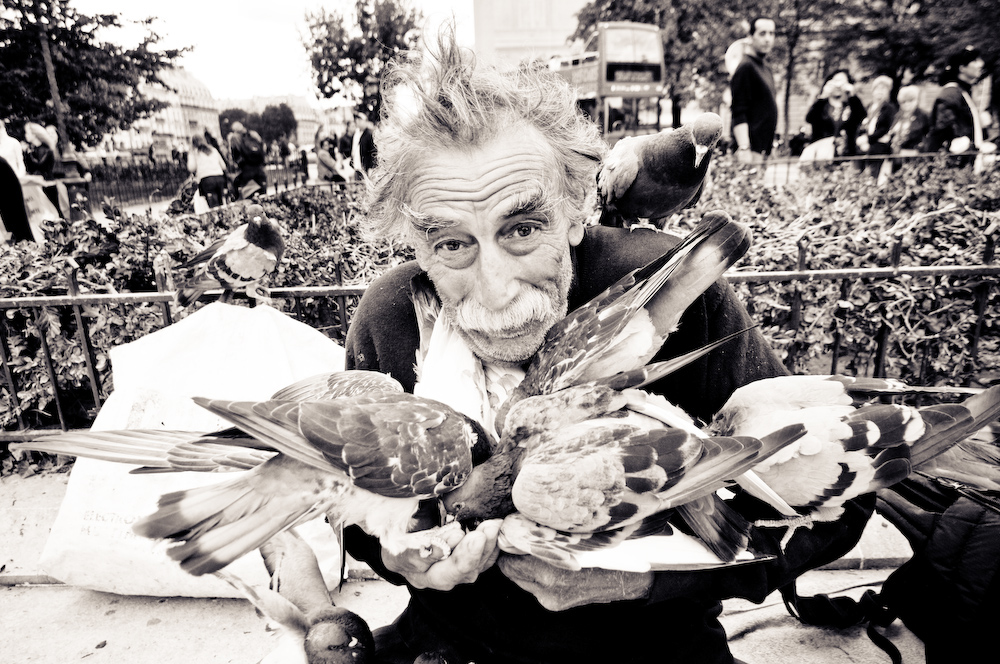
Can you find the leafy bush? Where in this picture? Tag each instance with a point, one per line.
(834, 217)
(118, 254)
(831, 218)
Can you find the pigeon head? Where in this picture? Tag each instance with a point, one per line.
(706, 130)
(255, 214)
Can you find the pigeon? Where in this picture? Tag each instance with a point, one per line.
(973, 463)
(365, 459)
(164, 450)
(312, 629)
(622, 328)
(596, 458)
(652, 177)
(849, 449)
(238, 261)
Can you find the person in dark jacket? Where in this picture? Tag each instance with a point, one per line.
(755, 111)
(956, 124)
(40, 158)
(837, 113)
(490, 175)
(910, 126)
(874, 138)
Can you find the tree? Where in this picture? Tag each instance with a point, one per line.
(348, 56)
(84, 87)
(229, 116)
(250, 121)
(278, 123)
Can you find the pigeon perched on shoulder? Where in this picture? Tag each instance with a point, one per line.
(238, 261)
(652, 177)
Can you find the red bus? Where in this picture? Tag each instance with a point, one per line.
(619, 78)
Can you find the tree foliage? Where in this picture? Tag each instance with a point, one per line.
(277, 123)
(96, 84)
(348, 55)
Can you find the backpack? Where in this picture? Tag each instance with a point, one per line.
(947, 593)
(252, 149)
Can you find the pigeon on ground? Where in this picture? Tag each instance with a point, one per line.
(652, 177)
(237, 262)
(312, 629)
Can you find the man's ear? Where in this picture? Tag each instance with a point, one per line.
(421, 252)
(575, 234)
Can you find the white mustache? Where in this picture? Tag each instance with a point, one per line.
(531, 306)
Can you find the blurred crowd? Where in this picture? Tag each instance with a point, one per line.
(37, 173)
(893, 122)
(346, 153)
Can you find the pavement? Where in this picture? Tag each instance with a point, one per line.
(46, 621)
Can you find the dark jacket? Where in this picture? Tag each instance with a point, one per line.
(40, 160)
(754, 102)
(366, 146)
(493, 620)
(824, 125)
(951, 117)
(882, 122)
(909, 130)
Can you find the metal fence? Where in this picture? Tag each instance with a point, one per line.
(778, 171)
(144, 183)
(344, 296)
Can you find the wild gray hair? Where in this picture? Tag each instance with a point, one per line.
(445, 100)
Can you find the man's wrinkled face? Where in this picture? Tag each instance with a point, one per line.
(762, 39)
(495, 249)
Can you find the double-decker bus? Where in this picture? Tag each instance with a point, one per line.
(619, 78)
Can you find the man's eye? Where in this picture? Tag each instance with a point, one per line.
(451, 246)
(523, 230)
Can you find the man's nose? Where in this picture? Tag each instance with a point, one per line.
(497, 281)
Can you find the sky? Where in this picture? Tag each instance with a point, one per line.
(249, 48)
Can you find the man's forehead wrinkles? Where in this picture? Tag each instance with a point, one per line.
(512, 190)
(476, 179)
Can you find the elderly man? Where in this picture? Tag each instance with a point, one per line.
(490, 175)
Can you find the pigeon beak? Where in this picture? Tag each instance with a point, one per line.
(699, 154)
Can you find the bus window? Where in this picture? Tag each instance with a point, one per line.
(627, 45)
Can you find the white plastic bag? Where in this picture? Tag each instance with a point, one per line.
(219, 351)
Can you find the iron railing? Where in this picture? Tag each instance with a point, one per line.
(776, 171)
(342, 295)
(132, 185)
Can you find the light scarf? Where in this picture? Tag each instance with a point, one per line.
(448, 371)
